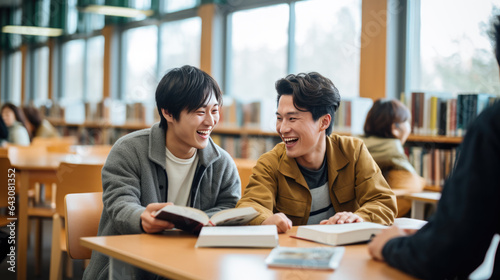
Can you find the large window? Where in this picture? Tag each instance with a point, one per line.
(41, 75)
(259, 51)
(325, 32)
(140, 63)
(180, 44)
(171, 6)
(16, 62)
(74, 58)
(95, 50)
(266, 43)
(453, 53)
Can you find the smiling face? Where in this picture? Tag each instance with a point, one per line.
(304, 138)
(192, 130)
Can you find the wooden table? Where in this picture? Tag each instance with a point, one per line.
(39, 166)
(172, 255)
(418, 201)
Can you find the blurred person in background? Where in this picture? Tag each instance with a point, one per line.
(14, 120)
(387, 127)
(37, 125)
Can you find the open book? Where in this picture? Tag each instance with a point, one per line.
(192, 220)
(263, 236)
(306, 257)
(339, 234)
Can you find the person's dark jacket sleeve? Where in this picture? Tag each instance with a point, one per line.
(455, 241)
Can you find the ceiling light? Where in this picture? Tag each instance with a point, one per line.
(32, 30)
(116, 11)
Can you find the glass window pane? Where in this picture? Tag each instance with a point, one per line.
(180, 41)
(171, 6)
(455, 52)
(140, 64)
(95, 70)
(259, 51)
(73, 69)
(42, 75)
(325, 35)
(17, 62)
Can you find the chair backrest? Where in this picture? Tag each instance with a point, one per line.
(245, 167)
(49, 141)
(76, 178)
(83, 213)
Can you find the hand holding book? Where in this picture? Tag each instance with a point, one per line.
(192, 220)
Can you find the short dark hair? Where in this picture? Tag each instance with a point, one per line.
(311, 92)
(182, 88)
(34, 116)
(382, 115)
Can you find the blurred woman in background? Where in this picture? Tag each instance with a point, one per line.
(14, 120)
(37, 125)
(387, 127)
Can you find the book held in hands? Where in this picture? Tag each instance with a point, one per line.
(339, 234)
(306, 257)
(263, 236)
(192, 220)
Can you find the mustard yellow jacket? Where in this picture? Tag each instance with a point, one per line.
(356, 184)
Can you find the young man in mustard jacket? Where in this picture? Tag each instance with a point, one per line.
(313, 176)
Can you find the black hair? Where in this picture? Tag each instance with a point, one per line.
(311, 92)
(382, 115)
(182, 88)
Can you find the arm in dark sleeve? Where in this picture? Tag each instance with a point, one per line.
(456, 239)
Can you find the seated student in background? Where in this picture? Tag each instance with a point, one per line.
(4, 132)
(37, 125)
(387, 127)
(173, 162)
(455, 240)
(313, 177)
(14, 120)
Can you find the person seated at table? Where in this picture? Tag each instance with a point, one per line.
(173, 162)
(455, 240)
(37, 125)
(387, 127)
(15, 122)
(314, 176)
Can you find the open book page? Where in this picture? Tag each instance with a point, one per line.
(408, 223)
(238, 236)
(231, 217)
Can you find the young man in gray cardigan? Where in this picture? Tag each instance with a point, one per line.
(173, 162)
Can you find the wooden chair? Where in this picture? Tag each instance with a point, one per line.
(47, 141)
(83, 213)
(72, 178)
(245, 167)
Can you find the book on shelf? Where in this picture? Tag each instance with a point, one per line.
(327, 258)
(193, 220)
(351, 115)
(339, 234)
(447, 114)
(262, 236)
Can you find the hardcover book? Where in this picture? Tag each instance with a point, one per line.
(192, 220)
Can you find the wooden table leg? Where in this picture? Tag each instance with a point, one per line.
(22, 231)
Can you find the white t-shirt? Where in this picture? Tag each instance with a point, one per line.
(180, 173)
